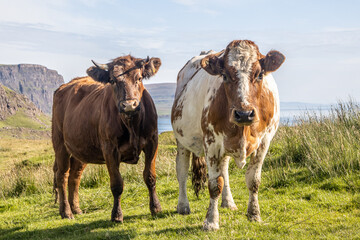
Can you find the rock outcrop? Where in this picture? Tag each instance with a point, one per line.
(36, 82)
(12, 102)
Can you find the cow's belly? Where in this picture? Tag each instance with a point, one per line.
(85, 153)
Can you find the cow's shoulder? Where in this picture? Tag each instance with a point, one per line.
(191, 70)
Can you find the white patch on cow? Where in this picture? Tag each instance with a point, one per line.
(227, 200)
(270, 84)
(182, 169)
(242, 57)
(212, 217)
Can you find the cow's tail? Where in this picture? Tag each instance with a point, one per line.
(198, 173)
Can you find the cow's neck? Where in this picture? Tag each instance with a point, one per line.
(132, 123)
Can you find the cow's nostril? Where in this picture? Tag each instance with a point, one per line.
(252, 114)
(134, 103)
(237, 114)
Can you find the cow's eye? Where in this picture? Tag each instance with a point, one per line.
(260, 76)
(225, 78)
(138, 78)
(111, 81)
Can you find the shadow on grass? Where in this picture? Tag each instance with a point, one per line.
(86, 230)
(75, 231)
(160, 215)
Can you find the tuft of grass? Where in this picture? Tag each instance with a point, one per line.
(324, 146)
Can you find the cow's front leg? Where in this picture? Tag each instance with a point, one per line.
(116, 183)
(253, 179)
(215, 185)
(227, 200)
(149, 175)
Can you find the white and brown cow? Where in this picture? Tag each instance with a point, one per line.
(226, 105)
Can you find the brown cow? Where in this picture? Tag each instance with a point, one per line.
(108, 118)
(226, 104)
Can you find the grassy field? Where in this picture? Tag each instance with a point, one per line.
(310, 190)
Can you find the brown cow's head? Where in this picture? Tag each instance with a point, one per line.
(125, 74)
(243, 68)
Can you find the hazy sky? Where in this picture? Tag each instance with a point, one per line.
(321, 39)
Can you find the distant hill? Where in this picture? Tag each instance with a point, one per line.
(36, 82)
(20, 118)
(163, 96)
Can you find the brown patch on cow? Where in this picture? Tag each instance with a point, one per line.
(215, 188)
(180, 132)
(176, 111)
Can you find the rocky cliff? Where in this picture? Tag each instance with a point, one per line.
(36, 82)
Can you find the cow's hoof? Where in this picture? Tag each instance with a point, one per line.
(208, 226)
(230, 205)
(77, 211)
(254, 218)
(155, 210)
(67, 215)
(183, 209)
(117, 219)
(116, 215)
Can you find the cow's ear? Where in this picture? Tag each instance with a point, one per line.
(212, 64)
(272, 61)
(151, 67)
(99, 72)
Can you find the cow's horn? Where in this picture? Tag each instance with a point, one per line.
(101, 66)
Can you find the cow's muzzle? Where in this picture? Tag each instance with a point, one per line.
(243, 117)
(129, 106)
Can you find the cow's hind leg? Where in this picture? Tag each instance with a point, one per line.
(76, 169)
(55, 188)
(62, 168)
(227, 198)
(253, 179)
(182, 169)
(149, 175)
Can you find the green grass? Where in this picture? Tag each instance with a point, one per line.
(310, 190)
